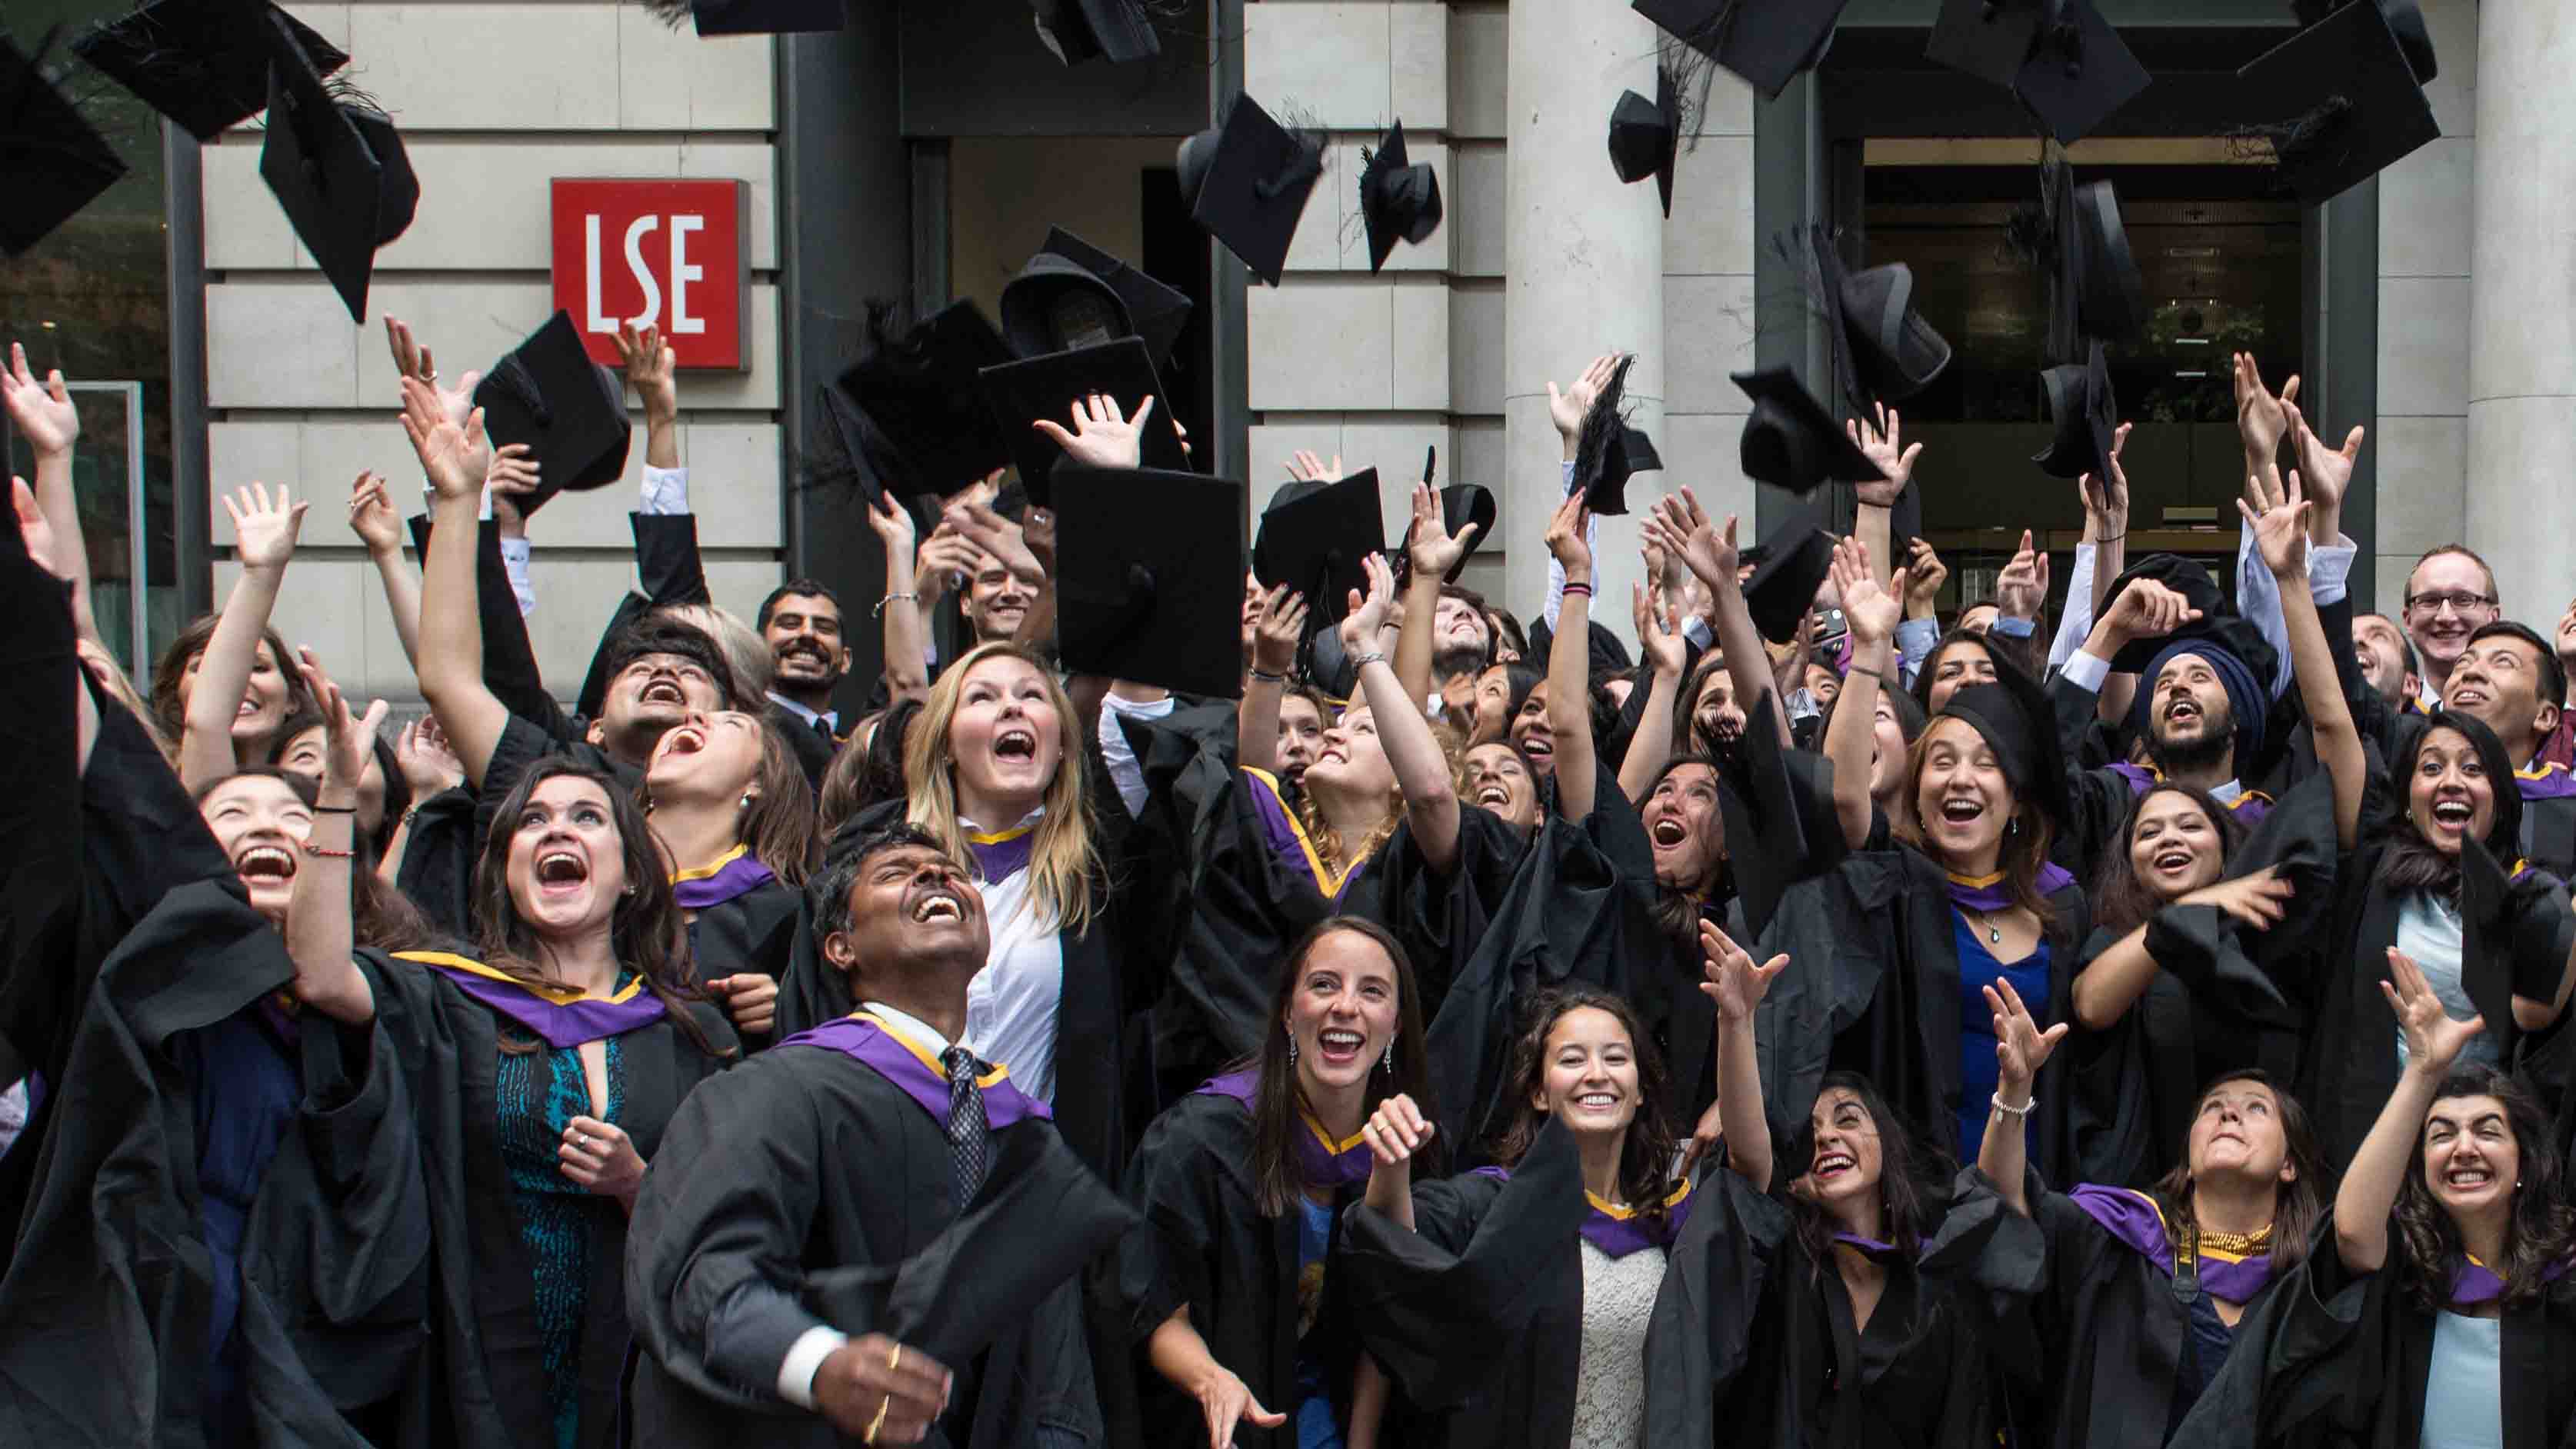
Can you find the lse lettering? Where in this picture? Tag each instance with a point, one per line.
(663, 252)
(683, 272)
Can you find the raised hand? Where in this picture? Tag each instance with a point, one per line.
(750, 998)
(2280, 524)
(1566, 409)
(1366, 618)
(42, 412)
(652, 365)
(2434, 1038)
(979, 525)
(372, 516)
(411, 359)
(1565, 541)
(265, 528)
(2260, 418)
(1734, 982)
(1659, 632)
(455, 455)
(2022, 587)
(1102, 436)
(1924, 576)
(427, 764)
(1277, 629)
(1678, 525)
(944, 556)
(348, 741)
(2021, 1048)
(2326, 472)
(1394, 1132)
(2107, 499)
(511, 477)
(1428, 545)
(1868, 606)
(37, 534)
(2259, 899)
(2146, 609)
(1879, 441)
(892, 523)
(1307, 467)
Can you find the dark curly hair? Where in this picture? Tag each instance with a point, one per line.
(2543, 1230)
(1646, 1156)
(1911, 1171)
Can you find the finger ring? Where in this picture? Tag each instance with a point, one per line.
(879, 1421)
(581, 1140)
(894, 1360)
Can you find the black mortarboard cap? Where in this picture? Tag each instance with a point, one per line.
(1073, 294)
(1767, 42)
(56, 163)
(1792, 441)
(343, 198)
(1080, 30)
(873, 462)
(2014, 715)
(766, 17)
(547, 393)
(1794, 561)
(1160, 605)
(918, 391)
(1399, 201)
(2343, 102)
(2218, 622)
(1247, 182)
(1646, 137)
(1604, 458)
(1017, 394)
(202, 63)
(1988, 39)
(1315, 538)
(1894, 352)
(2086, 414)
(2078, 73)
(2110, 295)
(2404, 17)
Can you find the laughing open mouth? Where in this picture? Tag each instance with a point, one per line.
(1015, 743)
(1494, 797)
(561, 868)
(2169, 861)
(662, 691)
(265, 863)
(1831, 1165)
(937, 907)
(1668, 831)
(1963, 809)
(2453, 814)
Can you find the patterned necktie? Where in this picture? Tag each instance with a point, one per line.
(966, 1146)
(823, 727)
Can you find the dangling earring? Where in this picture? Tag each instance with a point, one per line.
(1388, 1062)
(1292, 1048)
(746, 799)
(2013, 826)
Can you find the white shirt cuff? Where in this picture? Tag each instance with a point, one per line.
(2014, 628)
(2086, 671)
(666, 490)
(804, 1357)
(1696, 630)
(514, 562)
(2330, 571)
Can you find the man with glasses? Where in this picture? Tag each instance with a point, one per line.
(2450, 596)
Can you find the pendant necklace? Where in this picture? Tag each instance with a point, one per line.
(1994, 934)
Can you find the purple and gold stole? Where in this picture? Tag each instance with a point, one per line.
(1618, 1231)
(2473, 1282)
(735, 873)
(1984, 894)
(560, 1016)
(1286, 836)
(869, 1041)
(1322, 1161)
(2250, 805)
(2545, 781)
(2136, 1222)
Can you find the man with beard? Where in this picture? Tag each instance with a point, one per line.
(2450, 594)
(2387, 662)
(800, 621)
(997, 601)
(2202, 708)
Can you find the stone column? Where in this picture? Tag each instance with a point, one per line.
(1584, 273)
(2522, 313)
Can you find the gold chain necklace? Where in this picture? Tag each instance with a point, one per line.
(2242, 1245)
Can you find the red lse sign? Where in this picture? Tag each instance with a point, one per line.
(667, 254)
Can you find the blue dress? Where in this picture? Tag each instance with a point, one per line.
(538, 1093)
(1978, 1078)
(1315, 1426)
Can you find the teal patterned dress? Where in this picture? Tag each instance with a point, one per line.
(538, 1094)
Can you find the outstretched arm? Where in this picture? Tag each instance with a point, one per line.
(1681, 527)
(451, 627)
(318, 931)
(43, 414)
(1659, 640)
(2281, 534)
(2370, 1185)
(1421, 770)
(373, 519)
(1850, 739)
(1569, 661)
(1738, 986)
(1275, 633)
(907, 661)
(1430, 553)
(264, 531)
(2021, 1048)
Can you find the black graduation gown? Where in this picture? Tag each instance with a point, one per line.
(117, 1282)
(811, 1172)
(2515, 936)
(2549, 831)
(1874, 988)
(2222, 997)
(482, 1381)
(1216, 907)
(2096, 1345)
(754, 933)
(1478, 1312)
(1802, 1373)
(1206, 1245)
(2342, 1360)
(813, 749)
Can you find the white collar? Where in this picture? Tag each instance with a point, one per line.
(1025, 822)
(911, 1028)
(830, 717)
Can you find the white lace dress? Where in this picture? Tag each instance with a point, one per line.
(1610, 1374)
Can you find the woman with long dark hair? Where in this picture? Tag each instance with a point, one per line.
(2140, 1293)
(2432, 869)
(1243, 1184)
(227, 684)
(2441, 1312)
(542, 1070)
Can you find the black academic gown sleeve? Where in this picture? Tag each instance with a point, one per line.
(669, 570)
(812, 1176)
(482, 1380)
(752, 934)
(40, 814)
(110, 1292)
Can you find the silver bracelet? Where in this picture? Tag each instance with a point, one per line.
(2021, 1111)
(1375, 656)
(879, 611)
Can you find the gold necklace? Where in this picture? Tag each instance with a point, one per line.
(2243, 1245)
